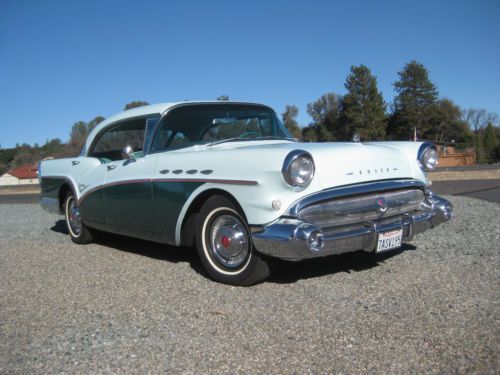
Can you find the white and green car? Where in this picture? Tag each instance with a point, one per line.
(228, 178)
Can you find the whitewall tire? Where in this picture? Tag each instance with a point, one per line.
(224, 245)
(77, 230)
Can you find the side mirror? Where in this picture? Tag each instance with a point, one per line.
(128, 153)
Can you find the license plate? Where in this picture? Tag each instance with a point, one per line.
(389, 240)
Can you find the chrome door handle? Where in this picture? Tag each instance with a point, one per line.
(111, 167)
(74, 162)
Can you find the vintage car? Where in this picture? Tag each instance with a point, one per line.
(228, 178)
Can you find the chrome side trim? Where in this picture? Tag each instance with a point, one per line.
(50, 205)
(208, 181)
(153, 180)
(352, 190)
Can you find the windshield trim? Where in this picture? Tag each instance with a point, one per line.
(238, 139)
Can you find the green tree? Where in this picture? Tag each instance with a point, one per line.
(93, 123)
(478, 119)
(490, 143)
(414, 101)
(363, 107)
(289, 119)
(7, 155)
(446, 124)
(309, 134)
(497, 151)
(325, 114)
(223, 98)
(135, 104)
(78, 135)
(479, 147)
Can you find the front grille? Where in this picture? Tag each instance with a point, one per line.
(362, 208)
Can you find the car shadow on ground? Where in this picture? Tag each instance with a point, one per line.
(284, 272)
(289, 272)
(60, 227)
(145, 248)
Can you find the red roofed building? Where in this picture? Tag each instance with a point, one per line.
(23, 175)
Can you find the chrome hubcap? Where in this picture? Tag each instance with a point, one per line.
(228, 241)
(74, 220)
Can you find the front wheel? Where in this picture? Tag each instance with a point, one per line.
(77, 230)
(224, 245)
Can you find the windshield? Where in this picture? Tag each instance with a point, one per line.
(216, 123)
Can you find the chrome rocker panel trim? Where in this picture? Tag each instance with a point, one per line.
(287, 238)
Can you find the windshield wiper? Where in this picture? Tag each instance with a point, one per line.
(238, 139)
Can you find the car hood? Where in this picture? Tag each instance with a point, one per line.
(337, 163)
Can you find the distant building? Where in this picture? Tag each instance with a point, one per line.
(449, 156)
(23, 175)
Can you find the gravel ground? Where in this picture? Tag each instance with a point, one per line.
(131, 306)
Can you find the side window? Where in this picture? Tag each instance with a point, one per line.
(162, 137)
(113, 140)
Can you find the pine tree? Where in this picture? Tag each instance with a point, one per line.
(415, 97)
(363, 107)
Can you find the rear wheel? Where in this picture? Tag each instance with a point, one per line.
(77, 230)
(224, 245)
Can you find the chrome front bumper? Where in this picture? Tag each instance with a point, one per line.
(295, 239)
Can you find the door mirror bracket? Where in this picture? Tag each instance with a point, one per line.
(128, 153)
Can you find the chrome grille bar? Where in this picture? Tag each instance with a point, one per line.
(362, 208)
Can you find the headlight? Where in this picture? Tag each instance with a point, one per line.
(298, 168)
(428, 157)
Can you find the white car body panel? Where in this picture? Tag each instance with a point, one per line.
(250, 171)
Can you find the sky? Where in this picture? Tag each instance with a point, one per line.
(66, 61)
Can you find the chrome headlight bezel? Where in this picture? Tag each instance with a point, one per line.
(290, 165)
(428, 157)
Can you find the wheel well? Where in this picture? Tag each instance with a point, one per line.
(188, 229)
(62, 194)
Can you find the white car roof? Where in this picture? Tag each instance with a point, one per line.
(151, 109)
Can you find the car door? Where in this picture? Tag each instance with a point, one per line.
(128, 196)
(125, 195)
(89, 187)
